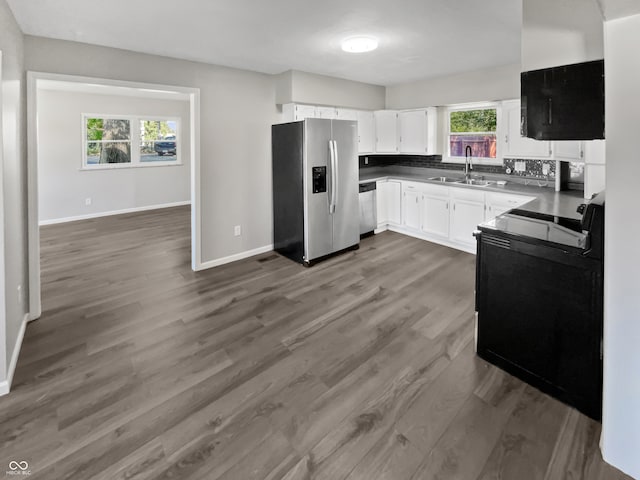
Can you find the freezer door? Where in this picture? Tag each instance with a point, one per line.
(318, 223)
(346, 218)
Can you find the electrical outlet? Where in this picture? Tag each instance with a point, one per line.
(366, 160)
(87, 201)
(237, 230)
(545, 169)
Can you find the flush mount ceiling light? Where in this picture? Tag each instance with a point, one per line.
(359, 44)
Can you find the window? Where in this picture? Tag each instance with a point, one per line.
(122, 141)
(474, 127)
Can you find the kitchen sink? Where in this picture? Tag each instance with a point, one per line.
(445, 179)
(475, 182)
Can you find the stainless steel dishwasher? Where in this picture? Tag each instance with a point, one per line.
(368, 218)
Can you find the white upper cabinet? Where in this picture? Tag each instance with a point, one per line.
(366, 132)
(346, 114)
(516, 146)
(326, 112)
(417, 131)
(386, 124)
(568, 150)
(292, 112)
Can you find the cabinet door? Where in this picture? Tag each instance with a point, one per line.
(346, 114)
(382, 201)
(394, 202)
(435, 215)
(326, 112)
(411, 209)
(304, 111)
(386, 122)
(516, 145)
(366, 132)
(465, 218)
(571, 151)
(413, 131)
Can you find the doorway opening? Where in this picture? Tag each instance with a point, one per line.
(99, 148)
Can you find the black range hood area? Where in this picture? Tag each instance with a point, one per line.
(563, 103)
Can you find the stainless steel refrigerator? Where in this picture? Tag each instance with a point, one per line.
(315, 188)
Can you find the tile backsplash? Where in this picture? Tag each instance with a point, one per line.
(537, 169)
(542, 169)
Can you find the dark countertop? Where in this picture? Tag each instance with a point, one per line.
(547, 201)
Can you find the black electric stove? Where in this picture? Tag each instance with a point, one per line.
(539, 298)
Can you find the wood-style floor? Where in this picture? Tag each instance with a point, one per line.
(361, 367)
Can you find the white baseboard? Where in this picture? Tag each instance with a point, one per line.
(233, 258)
(112, 212)
(5, 386)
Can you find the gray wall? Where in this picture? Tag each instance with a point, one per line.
(14, 179)
(295, 86)
(560, 33)
(237, 110)
(499, 83)
(63, 186)
(621, 412)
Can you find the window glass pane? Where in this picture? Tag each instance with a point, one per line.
(108, 129)
(108, 152)
(95, 127)
(483, 146)
(158, 141)
(473, 121)
(151, 130)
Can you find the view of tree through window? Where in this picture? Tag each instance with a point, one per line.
(108, 140)
(474, 128)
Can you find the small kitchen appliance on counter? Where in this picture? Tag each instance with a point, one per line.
(539, 301)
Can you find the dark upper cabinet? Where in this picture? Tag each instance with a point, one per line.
(563, 103)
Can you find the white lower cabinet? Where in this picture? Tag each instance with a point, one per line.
(435, 211)
(467, 212)
(446, 215)
(388, 203)
(411, 196)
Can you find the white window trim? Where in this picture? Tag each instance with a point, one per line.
(474, 106)
(135, 139)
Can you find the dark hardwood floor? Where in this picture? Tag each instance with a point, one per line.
(361, 367)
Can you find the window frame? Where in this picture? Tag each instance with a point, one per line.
(135, 140)
(497, 106)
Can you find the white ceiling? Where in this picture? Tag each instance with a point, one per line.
(418, 38)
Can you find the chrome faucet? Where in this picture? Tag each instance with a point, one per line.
(467, 162)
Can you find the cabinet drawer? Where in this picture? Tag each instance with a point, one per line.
(409, 186)
(468, 194)
(435, 190)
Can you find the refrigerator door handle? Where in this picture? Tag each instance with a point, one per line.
(336, 175)
(332, 176)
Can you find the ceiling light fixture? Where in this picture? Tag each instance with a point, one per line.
(359, 44)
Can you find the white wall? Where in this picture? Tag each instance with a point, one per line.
(295, 86)
(499, 83)
(621, 415)
(560, 33)
(237, 110)
(14, 188)
(63, 186)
